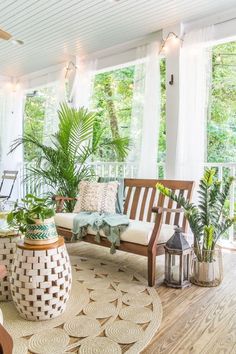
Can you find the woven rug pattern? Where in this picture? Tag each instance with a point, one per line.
(110, 310)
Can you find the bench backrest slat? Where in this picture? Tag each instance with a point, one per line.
(151, 204)
(144, 200)
(142, 196)
(133, 211)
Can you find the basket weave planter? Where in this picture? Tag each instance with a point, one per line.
(41, 280)
(208, 273)
(42, 232)
(7, 250)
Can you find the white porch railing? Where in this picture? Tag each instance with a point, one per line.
(101, 169)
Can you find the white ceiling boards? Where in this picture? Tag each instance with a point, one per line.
(52, 30)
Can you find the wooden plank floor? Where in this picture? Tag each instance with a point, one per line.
(195, 320)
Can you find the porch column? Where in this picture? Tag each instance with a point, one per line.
(172, 54)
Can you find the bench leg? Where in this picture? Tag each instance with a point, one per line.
(151, 267)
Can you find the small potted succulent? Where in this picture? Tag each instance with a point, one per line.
(208, 220)
(33, 217)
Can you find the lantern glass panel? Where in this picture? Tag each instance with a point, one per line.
(186, 266)
(175, 264)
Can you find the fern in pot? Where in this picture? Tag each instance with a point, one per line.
(33, 217)
(208, 221)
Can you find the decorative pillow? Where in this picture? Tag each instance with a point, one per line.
(97, 197)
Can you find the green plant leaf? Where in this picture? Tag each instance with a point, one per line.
(64, 164)
(206, 219)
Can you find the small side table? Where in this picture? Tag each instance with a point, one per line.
(41, 280)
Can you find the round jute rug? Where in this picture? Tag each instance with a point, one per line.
(109, 311)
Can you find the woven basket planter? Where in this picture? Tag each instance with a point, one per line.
(209, 272)
(7, 250)
(42, 232)
(41, 282)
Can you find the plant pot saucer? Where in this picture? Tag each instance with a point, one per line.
(209, 284)
(40, 242)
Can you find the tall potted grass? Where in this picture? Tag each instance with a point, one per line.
(208, 221)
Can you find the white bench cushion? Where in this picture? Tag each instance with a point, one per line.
(137, 232)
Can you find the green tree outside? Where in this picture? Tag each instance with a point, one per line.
(221, 125)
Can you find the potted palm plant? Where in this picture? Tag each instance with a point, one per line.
(34, 219)
(62, 165)
(208, 220)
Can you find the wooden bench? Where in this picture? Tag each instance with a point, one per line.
(145, 204)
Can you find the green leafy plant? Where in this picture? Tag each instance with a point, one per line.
(207, 220)
(28, 211)
(65, 163)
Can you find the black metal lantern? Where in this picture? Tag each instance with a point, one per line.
(177, 261)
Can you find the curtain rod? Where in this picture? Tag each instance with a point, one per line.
(231, 19)
(210, 21)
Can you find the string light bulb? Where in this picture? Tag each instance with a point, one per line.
(70, 67)
(170, 36)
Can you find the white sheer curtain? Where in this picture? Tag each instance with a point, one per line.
(146, 111)
(56, 95)
(11, 118)
(84, 82)
(11, 112)
(195, 73)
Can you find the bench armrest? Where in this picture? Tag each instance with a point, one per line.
(160, 210)
(157, 226)
(59, 199)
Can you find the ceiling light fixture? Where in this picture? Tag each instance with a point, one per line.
(8, 37)
(15, 41)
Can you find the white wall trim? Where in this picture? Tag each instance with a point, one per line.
(224, 23)
(126, 46)
(116, 56)
(43, 77)
(113, 57)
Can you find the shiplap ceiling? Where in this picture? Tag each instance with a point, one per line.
(55, 29)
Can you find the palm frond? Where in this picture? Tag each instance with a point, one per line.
(64, 164)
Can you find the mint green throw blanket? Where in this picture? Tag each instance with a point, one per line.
(111, 224)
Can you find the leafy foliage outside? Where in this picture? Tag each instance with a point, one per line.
(34, 117)
(112, 101)
(221, 125)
